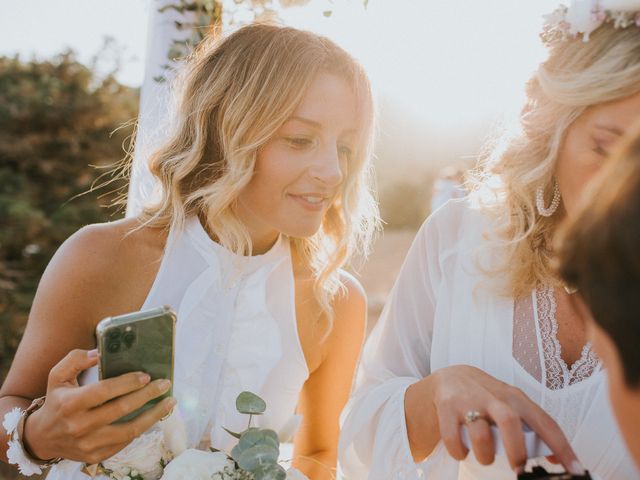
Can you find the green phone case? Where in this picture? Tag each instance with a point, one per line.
(140, 341)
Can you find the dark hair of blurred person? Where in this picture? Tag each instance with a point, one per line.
(599, 254)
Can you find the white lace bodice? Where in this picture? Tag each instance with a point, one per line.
(536, 346)
(563, 391)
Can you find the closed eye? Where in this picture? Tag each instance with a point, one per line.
(299, 142)
(600, 150)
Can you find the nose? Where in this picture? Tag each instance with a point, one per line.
(328, 169)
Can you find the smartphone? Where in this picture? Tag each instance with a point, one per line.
(141, 341)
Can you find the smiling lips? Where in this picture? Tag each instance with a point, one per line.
(310, 201)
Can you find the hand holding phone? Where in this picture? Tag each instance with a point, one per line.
(77, 421)
(536, 448)
(138, 342)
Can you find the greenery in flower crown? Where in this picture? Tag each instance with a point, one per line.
(208, 15)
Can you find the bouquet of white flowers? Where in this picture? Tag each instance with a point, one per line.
(161, 454)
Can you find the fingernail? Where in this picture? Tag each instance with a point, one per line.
(519, 469)
(164, 385)
(144, 378)
(576, 468)
(92, 353)
(170, 403)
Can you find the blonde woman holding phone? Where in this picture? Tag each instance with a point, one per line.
(264, 197)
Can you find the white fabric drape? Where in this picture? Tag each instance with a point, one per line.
(154, 119)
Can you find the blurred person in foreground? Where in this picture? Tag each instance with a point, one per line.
(599, 255)
(479, 332)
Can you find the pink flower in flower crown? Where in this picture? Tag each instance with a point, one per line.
(580, 16)
(598, 14)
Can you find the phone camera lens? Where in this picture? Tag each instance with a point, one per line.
(128, 338)
(114, 334)
(113, 347)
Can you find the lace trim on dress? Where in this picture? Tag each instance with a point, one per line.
(558, 374)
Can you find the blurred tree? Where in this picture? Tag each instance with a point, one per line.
(57, 118)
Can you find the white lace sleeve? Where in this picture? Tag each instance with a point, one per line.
(373, 441)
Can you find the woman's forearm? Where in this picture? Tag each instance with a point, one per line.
(421, 417)
(318, 465)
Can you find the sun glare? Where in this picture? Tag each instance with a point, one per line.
(448, 62)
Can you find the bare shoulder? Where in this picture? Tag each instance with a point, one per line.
(100, 262)
(353, 294)
(100, 271)
(349, 316)
(112, 243)
(350, 308)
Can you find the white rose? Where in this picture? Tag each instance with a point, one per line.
(143, 454)
(295, 474)
(196, 465)
(174, 432)
(621, 5)
(581, 18)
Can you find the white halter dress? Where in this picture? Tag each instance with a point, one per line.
(236, 331)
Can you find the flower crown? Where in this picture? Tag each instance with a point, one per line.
(582, 17)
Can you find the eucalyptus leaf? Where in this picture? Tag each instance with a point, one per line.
(250, 404)
(272, 435)
(258, 455)
(236, 452)
(250, 438)
(271, 471)
(233, 434)
(256, 436)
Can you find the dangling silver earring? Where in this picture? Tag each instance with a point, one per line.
(555, 203)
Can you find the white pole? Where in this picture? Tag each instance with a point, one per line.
(155, 103)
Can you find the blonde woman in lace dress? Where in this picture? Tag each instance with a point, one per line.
(478, 331)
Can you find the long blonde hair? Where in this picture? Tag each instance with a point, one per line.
(232, 96)
(576, 76)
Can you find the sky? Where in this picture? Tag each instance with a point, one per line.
(445, 62)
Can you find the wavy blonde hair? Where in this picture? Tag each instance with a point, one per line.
(575, 76)
(232, 97)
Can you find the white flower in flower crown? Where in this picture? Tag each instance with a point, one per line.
(584, 16)
(196, 465)
(145, 454)
(621, 5)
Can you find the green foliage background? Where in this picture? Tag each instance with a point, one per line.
(56, 123)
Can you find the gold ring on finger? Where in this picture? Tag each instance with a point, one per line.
(472, 415)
